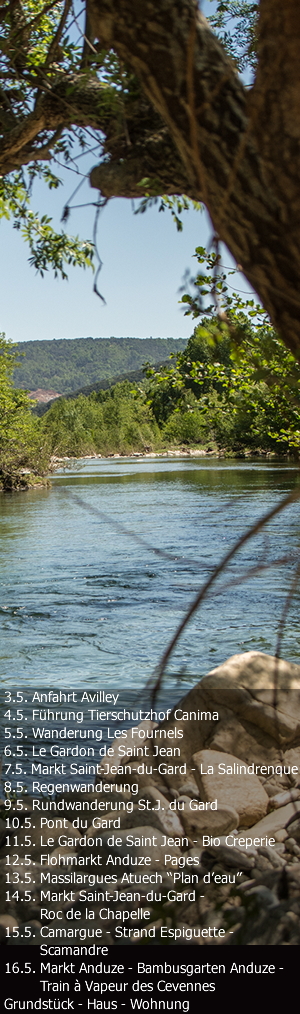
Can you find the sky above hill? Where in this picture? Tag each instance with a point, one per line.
(144, 261)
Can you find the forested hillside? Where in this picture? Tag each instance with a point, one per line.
(226, 393)
(68, 364)
(135, 377)
(234, 389)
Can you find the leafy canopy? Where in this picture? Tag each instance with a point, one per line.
(45, 78)
(19, 437)
(235, 375)
(235, 24)
(61, 97)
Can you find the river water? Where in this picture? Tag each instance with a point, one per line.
(84, 603)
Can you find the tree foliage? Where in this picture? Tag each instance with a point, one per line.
(235, 382)
(67, 364)
(48, 248)
(170, 118)
(51, 92)
(20, 443)
(235, 23)
(116, 421)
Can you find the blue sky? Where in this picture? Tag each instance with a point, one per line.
(144, 262)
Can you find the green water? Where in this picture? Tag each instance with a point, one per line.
(84, 603)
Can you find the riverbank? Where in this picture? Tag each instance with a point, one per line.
(23, 479)
(178, 452)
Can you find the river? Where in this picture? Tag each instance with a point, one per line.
(83, 603)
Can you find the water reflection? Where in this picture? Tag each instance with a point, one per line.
(81, 602)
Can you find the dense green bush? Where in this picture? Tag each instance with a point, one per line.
(21, 447)
(235, 383)
(118, 420)
(239, 396)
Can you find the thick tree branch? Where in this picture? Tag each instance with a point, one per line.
(73, 100)
(150, 162)
(191, 128)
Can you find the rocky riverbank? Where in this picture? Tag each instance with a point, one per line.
(205, 805)
(174, 452)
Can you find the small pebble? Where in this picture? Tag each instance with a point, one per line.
(291, 846)
(283, 798)
(281, 835)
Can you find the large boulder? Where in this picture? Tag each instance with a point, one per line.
(223, 776)
(261, 690)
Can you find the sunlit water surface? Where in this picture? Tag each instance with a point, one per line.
(82, 603)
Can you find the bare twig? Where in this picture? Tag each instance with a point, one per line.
(84, 37)
(58, 34)
(101, 204)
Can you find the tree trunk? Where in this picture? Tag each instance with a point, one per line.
(235, 150)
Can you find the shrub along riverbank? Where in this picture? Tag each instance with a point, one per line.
(230, 393)
(214, 395)
(24, 458)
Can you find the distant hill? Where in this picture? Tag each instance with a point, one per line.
(68, 364)
(135, 377)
